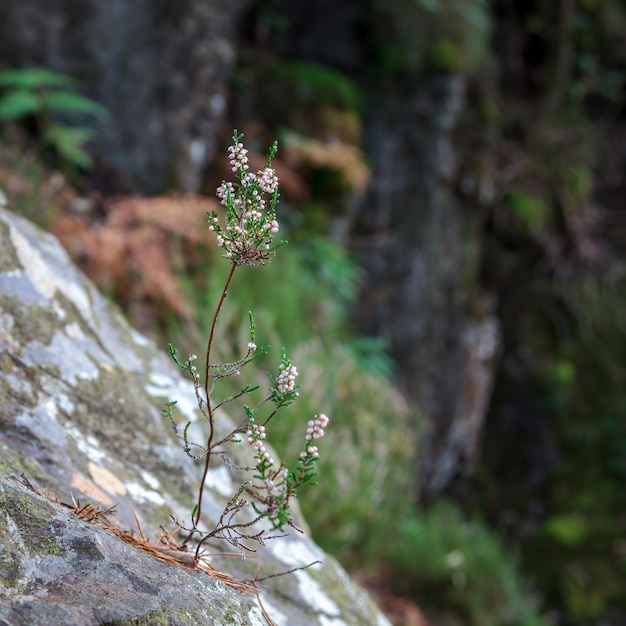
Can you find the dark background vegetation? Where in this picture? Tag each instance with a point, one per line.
(452, 179)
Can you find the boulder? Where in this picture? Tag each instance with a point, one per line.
(58, 569)
(81, 394)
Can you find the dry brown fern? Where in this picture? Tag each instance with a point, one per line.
(140, 249)
(344, 158)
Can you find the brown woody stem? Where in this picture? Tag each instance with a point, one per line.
(207, 391)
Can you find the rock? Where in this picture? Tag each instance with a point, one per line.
(57, 569)
(80, 400)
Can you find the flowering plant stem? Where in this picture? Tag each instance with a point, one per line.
(247, 239)
(207, 392)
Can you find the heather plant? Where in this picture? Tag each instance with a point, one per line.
(246, 238)
(369, 455)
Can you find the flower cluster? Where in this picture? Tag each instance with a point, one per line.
(316, 427)
(251, 223)
(238, 159)
(268, 181)
(272, 495)
(192, 368)
(255, 435)
(286, 381)
(315, 430)
(284, 390)
(310, 451)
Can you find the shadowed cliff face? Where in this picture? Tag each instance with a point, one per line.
(80, 399)
(422, 262)
(161, 70)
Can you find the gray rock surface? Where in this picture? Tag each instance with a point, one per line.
(57, 569)
(80, 399)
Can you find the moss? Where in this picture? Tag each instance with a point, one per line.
(87, 548)
(10, 562)
(6, 363)
(450, 35)
(73, 315)
(37, 323)
(531, 211)
(108, 401)
(314, 84)
(8, 256)
(175, 617)
(15, 463)
(34, 521)
(156, 618)
(45, 545)
(10, 571)
(14, 399)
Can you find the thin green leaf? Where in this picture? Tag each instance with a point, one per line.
(34, 78)
(76, 155)
(68, 102)
(17, 104)
(60, 133)
(68, 142)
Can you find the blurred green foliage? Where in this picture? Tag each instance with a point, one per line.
(573, 382)
(31, 186)
(446, 35)
(307, 292)
(311, 84)
(566, 529)
(445, 55)
(583, 534)
(578, 180)
(555, 447)
(459, 565)
(46, 97)
(309, 98)
(532, 211)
